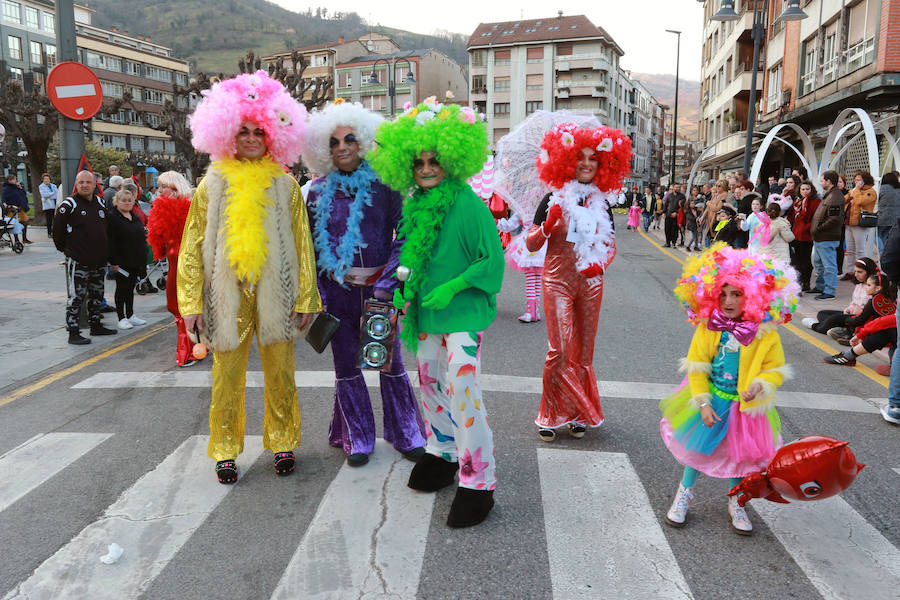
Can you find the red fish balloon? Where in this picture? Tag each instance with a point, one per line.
(811, 468)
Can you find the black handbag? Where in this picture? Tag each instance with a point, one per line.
(868, 219)
(322, 330)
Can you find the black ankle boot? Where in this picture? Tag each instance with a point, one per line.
(432, 473)
(76, 339)
(99, 329)
(470, 507)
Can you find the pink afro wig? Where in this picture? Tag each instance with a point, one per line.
(561, 150)
(769, 285)
(249, 97)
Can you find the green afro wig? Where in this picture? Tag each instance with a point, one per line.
(456, 135)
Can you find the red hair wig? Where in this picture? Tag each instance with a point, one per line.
(561, 151)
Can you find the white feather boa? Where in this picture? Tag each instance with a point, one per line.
(590, 228)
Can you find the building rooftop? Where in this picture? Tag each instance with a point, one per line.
(537, 30)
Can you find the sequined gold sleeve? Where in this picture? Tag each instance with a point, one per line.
(308, 300)
(190, 258)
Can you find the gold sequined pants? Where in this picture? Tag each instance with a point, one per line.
(281, 426)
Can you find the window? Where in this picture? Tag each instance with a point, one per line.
(114, 141)
(16, 73)
(153, 118)
(535, 55)
(181, 78)
(169, 147)
(158, 74)
(15, 47)
(478, 58)
(564, 50)
(534, 82)
(553, 28)
(102, 61)
(773, 101)
(50, 49)
(829, 58)
(508, 32)
(153, 97)
(132, 68)
(530, 30)
(118, 117)
(501, 84)
(478, 84)
(345, 79)
(137, 144)
(155, 145)
(11, 11)
(501, 57)
(808, 67)
(37, 53)
(112, 90)
(49, 21)
(501, 108)
(32, 18)
(530, 107)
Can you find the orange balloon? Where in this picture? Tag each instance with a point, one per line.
(199, 351)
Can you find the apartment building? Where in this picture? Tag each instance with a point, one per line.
(641, 128)
(433, 74)
(725, 83)
(28, 36)
(845, 54)
(322, 59)
(556, 63)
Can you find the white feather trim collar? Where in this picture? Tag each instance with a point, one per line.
(586, 211)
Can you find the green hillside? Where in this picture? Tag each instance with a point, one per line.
(214, 35)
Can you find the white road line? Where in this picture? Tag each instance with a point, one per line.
(841, 553)
(151, 520)
(489, 383)
(24, 468)
(367, 539)
(599, 497)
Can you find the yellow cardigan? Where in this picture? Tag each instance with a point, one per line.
(761, 361)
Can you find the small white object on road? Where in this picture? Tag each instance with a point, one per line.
(114, 554)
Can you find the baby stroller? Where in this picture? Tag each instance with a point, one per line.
(10, 227)
(155, 268)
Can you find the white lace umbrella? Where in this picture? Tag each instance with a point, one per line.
(515, 173)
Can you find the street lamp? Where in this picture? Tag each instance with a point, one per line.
(726, 13)
(675, 119)
(392, 88)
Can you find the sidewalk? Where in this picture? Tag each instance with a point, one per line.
(34, 292)
(807, 305)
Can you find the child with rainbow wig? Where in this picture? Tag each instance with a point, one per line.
(722, 420)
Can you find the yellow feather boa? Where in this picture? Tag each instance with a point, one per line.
(246, 241)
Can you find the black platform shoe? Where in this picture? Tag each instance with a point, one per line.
(415, 454)
(284, 463)
(358, 459)
(432, 473)
(226, 471)
(99, 329)
(470, 507)
(76, 338)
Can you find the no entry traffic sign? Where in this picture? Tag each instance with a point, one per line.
(74, 90)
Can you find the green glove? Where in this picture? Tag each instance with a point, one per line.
(399, 300)
(440, 297)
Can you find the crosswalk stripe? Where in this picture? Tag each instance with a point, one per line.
(611, 509)
(839, 550)
(26, 467)
(151, 520)
(367, 538)
(489, 383)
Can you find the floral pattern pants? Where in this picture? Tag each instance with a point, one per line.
(456, 422)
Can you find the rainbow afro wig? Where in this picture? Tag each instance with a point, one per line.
(561, 150)
(769, 284)
(456, 135)
(249, 97)
(322, 124)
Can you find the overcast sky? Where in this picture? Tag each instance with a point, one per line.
(638, 26)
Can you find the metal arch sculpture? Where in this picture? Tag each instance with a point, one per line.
(807, 157)
(845, 116)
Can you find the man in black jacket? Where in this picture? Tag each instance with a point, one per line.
(671, 203)
(79, 231)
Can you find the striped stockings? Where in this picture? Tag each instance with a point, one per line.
(532, 294)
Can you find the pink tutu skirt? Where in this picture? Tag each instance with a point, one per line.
(519, 257)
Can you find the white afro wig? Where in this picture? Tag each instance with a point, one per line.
(322, 124)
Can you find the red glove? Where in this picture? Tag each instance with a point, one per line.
(553, 217)
(592, 270)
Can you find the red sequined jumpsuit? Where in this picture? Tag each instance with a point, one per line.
(572, 309)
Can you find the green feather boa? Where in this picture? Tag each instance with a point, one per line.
(423, 219)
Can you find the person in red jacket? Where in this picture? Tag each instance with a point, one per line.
(801, 248)
(166, 225)
(869, 336)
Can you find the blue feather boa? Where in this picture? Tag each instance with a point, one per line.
(357, 185)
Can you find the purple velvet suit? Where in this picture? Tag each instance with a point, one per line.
(353, 423)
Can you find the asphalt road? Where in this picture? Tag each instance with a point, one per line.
(243, 547)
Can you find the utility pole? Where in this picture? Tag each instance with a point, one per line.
(71, 136)
(675, 120)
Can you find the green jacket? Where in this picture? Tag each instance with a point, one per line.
(468, 247)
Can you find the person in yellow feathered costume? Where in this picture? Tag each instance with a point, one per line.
(247, 264)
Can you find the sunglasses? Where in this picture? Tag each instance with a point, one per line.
(420, 164)
(348, 139)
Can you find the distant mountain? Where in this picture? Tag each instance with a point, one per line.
(214, 37)
(663, 89)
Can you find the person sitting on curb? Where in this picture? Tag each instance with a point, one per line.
(827, 320)
(877, 332)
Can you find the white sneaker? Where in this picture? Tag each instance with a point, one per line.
(678, 513)
(125, 324)
(136, 320)
(809, 322)
(739, 519)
